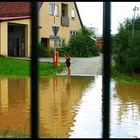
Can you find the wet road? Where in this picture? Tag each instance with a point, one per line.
(81, 66)
(86, 66)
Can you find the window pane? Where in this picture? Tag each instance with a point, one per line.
(72, 13)
(56, 10)
(51, 8)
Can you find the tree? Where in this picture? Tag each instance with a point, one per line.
(83, 44)
(126, 47)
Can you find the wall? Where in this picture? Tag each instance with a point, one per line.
(4, 36)
(46, 21)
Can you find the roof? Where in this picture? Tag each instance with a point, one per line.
(9, 10)
(15, 10)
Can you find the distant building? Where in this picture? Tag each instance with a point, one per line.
(99, 40)
(15, 25)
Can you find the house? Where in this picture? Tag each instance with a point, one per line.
(99, 40)
(15, 25)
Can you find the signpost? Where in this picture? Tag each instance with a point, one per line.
(55, 31)
(53, 37)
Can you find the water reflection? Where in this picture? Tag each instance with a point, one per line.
(14, 104)
(70, 107)
(58, 102)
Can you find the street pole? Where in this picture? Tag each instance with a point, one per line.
(133, 24)
(54, 39)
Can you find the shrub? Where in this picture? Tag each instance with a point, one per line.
(44, 52)
(126, 47)
(83, 44)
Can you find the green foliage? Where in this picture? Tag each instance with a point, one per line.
(2, 56)
(50, 69)
(126, 47)
(125, 78)
(44, 52)
(63, 50)
(81, 45)
(9, 133)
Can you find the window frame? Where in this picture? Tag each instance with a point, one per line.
(73, 14)
(51, 9)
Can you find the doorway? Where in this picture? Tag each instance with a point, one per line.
(16, 40)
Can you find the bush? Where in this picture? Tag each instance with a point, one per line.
(126, 47)
(83, 44)
(44, 52)
(2, 56)
(63, 50)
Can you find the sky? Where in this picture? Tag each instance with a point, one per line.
(91, 14)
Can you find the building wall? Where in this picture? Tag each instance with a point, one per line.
(46, 21)
(4, 36)
(100, 43)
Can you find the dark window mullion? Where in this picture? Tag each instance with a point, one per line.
(106, 69)
(34, 70)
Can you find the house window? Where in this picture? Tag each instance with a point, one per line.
(56, 12)
(73, 33)
(72, 14)
(51, 9)
(45, 42)
(63, 12)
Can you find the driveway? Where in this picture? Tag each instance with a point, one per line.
(82, 66)
(85, 66)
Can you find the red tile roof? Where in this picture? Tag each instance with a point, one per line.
(14, 9)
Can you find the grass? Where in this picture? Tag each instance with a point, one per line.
(8, 133)
(125, 78)
(17, 67)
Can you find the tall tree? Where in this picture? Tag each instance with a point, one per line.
(126, 47)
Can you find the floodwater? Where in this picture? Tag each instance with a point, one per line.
(70, 107)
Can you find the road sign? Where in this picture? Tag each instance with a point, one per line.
(53, 37)
(55, 29)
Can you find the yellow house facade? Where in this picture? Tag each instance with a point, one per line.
(15, 25)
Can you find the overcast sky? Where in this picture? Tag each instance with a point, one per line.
(92, 13)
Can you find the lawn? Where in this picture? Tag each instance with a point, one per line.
(18, 67)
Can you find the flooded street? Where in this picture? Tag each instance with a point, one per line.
(70, 107)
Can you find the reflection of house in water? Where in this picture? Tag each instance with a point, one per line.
(19, 92)
(14, 103)
(129, 97)
(58, 105)
(4, 94)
